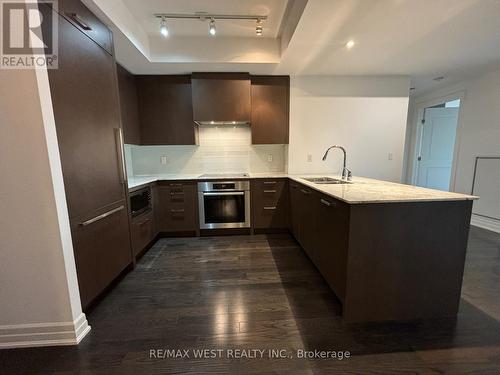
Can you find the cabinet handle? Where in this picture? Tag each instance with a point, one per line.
(305, 191)
(269, 191)
(294, 186)
(224, 193)
(121, 158)
(102, 216)
(77, 19)
(144, 222)
(174, 184)
(177, 193)
(270, 208)
(327, 203)
(270, 182)
(177, 211)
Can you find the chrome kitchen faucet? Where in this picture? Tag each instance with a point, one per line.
(346, 173)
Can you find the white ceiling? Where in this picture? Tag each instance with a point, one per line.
(423, 39)
(143, 11)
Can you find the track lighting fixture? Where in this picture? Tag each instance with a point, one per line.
(211, 27)
(163, 27)
(202, 16)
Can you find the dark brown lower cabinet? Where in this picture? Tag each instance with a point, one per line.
(269, 199)
(307, 202)
(142, 231)
(332, 239)
(102, 249)
(176, 207)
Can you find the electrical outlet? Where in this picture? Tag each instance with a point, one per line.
(270, 158)
(390, 156)
(163, 160)
(309, 158)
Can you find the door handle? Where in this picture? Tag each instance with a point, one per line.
(177, 211)
(269, 191)
(327, 203)
(224, 193)
(270, 182)
(305, 191)
(79, 21)
(102, 216)
(119, 150)
(270, 208)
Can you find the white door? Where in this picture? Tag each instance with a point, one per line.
(436, 148)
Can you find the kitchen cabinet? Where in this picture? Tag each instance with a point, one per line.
(269, 198)
(270, 109)
(294, 192)
(128, 106)
(176, 207)
(102, 249)
(86, 111)
(166, 111)
(307, 221)
(332, 237)
(221, 97)
(86, 22)
(142, 230)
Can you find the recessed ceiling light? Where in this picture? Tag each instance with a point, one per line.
(211, 27)
(163, 27)
(349, 44)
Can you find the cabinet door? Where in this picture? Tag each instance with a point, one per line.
(128, 106)
(102, 249)
(176, 207)
(270, 109)
(142, 231)
(166, 111)
(332, 242)
(294, 208)
(307, 224)
(82, 18)
(86, 110)
(221, 97)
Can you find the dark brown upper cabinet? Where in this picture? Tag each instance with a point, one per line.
(221, 97)
(128, 106)
(270, 109)
(166, 110)
(83, 19)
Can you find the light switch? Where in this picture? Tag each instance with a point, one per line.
(163, 160)
(270, 158)
(309, 158)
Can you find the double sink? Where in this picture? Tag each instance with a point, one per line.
(326, 180)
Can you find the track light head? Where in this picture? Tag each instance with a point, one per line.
(258, 27)
(211, 27)
(163, 28)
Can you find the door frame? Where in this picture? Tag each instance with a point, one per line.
(418, 130)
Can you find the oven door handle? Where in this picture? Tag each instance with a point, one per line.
(224, 193)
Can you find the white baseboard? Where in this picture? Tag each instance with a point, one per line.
(44, 334)
(485, 223)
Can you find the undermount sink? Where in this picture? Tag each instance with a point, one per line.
(325, 180)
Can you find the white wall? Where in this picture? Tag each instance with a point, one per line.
(222, 149)
(479, 124)
(39, 299)
(366, 115)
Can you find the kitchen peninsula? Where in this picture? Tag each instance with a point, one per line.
(389, 251)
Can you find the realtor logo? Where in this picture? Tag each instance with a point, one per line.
(29, 34)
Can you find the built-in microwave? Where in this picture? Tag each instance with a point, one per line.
(140, 201)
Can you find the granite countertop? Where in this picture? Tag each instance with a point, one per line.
(360, 190)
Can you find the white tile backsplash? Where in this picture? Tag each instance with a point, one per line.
(222, 149)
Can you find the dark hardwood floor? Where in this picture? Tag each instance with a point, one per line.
(261, 292)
